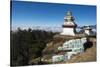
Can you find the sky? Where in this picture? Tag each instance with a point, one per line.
(30, 14)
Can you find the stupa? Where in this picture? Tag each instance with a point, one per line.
(88, 30)
(69, 26)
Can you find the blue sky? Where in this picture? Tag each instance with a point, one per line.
(50, 14)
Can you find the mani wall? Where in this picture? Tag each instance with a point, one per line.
(75, 45)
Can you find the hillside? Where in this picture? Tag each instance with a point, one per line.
(88, 56)
(51, 49)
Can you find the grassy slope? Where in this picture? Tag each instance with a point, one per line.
(87, 56)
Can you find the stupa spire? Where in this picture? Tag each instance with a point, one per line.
(69, 26)
(69, 13)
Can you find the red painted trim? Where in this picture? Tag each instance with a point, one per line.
(69, 26)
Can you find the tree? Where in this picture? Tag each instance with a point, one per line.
(27, 45)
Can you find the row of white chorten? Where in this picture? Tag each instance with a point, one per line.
(69, 26)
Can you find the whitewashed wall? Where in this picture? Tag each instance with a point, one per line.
(76, 45)
(58, 58)
(68, 31)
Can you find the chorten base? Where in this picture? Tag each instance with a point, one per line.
(68, 31)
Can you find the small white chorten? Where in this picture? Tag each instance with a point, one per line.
(88, 30)
(69, 26)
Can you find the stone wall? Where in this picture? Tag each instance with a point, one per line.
(75, 45)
